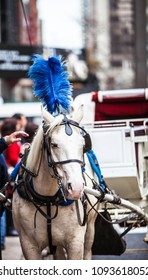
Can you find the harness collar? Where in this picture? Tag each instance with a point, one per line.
(26, 190)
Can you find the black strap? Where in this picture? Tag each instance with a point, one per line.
(118, 221)
(41, 199)
(84, 203)
(127, 230)
(43, 213)
(51, 246)
(32, 174)
(68, 161)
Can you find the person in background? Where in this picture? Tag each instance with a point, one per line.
(4, 143)
(3, 180)
(21, 120)
(30, 129)
(11, 154)
(10, 139)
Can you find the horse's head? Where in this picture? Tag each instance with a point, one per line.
(65, 146)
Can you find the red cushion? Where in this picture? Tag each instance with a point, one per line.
(115, 107)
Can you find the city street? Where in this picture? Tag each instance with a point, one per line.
(137, 249)
(13, 250)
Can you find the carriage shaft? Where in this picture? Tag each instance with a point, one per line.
(125, 203)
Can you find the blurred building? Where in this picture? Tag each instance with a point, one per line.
(114, 53)
(116, 41)
(20, 36)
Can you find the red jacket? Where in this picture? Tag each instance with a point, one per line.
(12, 154)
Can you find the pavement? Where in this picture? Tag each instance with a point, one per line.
(13, 249)
(137, 249)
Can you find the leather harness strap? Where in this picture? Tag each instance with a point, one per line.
(49, 229)
(84, 204)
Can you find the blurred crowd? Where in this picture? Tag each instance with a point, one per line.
(8, 160)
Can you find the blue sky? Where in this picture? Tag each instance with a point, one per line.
(61, 23)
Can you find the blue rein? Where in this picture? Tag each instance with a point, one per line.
(96, 168)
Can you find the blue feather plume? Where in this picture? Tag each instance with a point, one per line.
(51, 83)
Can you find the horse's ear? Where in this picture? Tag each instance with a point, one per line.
(47, 117)
(78, 115)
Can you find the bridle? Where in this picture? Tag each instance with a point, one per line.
(68, 123)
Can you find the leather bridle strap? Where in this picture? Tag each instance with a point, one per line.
(68, 161)
(52, 163)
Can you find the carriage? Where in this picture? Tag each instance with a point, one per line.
(117, 121)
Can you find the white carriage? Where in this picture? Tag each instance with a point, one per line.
(117, 121)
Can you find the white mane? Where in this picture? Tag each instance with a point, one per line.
(54, 123)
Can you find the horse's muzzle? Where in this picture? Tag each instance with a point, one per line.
(75, 192)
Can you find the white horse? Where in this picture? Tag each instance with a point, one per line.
(54, 171)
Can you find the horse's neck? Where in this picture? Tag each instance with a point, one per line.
(38, 164)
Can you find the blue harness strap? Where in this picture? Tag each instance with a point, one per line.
(15, 171)
(96, 168)
(66, 203)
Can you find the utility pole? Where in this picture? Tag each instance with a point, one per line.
(140, 44)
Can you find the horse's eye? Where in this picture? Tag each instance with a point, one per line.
(53, 145)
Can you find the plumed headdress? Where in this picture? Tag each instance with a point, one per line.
(51, 84)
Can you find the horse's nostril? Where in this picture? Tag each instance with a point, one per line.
(69, 186)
